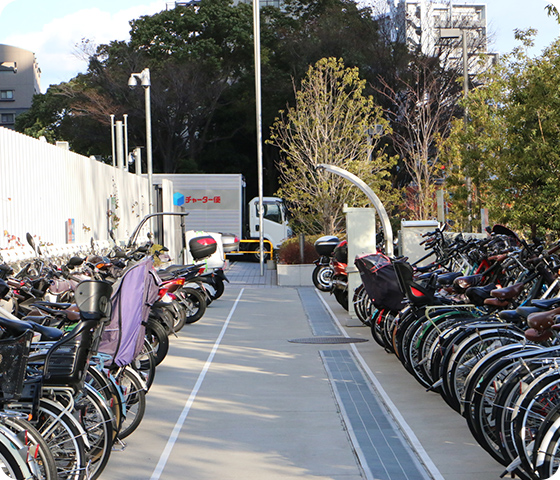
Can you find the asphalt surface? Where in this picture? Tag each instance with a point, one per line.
(274, 383)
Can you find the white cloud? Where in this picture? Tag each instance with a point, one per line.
(55, 45)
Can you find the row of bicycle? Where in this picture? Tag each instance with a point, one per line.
(74, 375)
(479, 326)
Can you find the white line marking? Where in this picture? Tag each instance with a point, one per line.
(391, 407)
(181, 420)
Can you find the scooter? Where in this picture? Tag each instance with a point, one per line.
(323, 272)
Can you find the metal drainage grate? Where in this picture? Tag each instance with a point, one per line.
(328, 340)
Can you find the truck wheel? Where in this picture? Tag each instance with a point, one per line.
(257, 255)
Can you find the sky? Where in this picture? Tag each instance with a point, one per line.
(52, 29)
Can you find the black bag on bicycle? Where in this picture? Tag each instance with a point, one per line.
(380, 281)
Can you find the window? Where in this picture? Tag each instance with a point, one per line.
(7, 118)
(6, 94)
(272, 212)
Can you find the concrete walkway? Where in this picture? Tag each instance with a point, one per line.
(272, 384)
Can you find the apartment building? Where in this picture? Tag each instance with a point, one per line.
(419, 24)
(19, 81)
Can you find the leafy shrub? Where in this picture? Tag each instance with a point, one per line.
(289, 252)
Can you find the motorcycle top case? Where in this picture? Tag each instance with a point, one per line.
(202, 247)
(326, 244)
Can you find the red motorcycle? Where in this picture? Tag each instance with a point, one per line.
(339, 262)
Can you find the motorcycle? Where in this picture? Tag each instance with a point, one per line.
(323, 272)
(339, 262)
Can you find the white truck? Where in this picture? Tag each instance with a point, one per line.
(216, 203)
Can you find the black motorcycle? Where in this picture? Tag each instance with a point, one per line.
(323, 271)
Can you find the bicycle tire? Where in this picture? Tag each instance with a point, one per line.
(11, 463)
(480, 397)
(65, 437)
(467, 354)
(531, 410)
(98, 422)
(44, 465)
(547, 449)
(135, 397)
(145, 364)
(376, 328)
(104, 385)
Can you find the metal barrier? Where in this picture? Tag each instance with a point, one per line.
(268, 242)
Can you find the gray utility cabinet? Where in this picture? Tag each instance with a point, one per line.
(410, 237)
(360, 230)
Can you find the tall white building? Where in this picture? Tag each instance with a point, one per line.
(418, 23)
(263, 3)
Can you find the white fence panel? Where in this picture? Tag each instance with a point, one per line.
(42, 186)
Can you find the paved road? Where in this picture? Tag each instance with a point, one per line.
(236, 398)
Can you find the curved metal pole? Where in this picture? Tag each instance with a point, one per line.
(373, 198)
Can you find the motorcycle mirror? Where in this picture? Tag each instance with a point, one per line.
(31, 241)
(32, 244)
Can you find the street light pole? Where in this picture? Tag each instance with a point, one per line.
(462, 34)
(144, 78)
(257, 46)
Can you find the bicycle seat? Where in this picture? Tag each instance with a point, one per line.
(546, 304)
(508, 293)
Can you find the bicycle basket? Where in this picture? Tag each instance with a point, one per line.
(14, 353)
(380, 281)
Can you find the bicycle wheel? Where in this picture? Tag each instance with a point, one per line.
(40, 461)
(104, 385)
(135, 398)
(547, 448)
(99, 424)
(512, 388)
(360, 300)
(467, 354)
(12, 464)
(530, 412)
(377, 328)
(65, 438)
(145, 364)
(480, 395)
(389, 325)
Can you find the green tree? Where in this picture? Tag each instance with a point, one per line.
(329, 124)
(510, 143)
(200, 57)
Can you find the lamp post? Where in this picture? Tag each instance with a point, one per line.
(461, 33)
(144, 79)
(257, 48)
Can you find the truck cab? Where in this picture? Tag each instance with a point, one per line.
(275, 220)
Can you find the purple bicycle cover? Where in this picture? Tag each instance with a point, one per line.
(133, 295)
